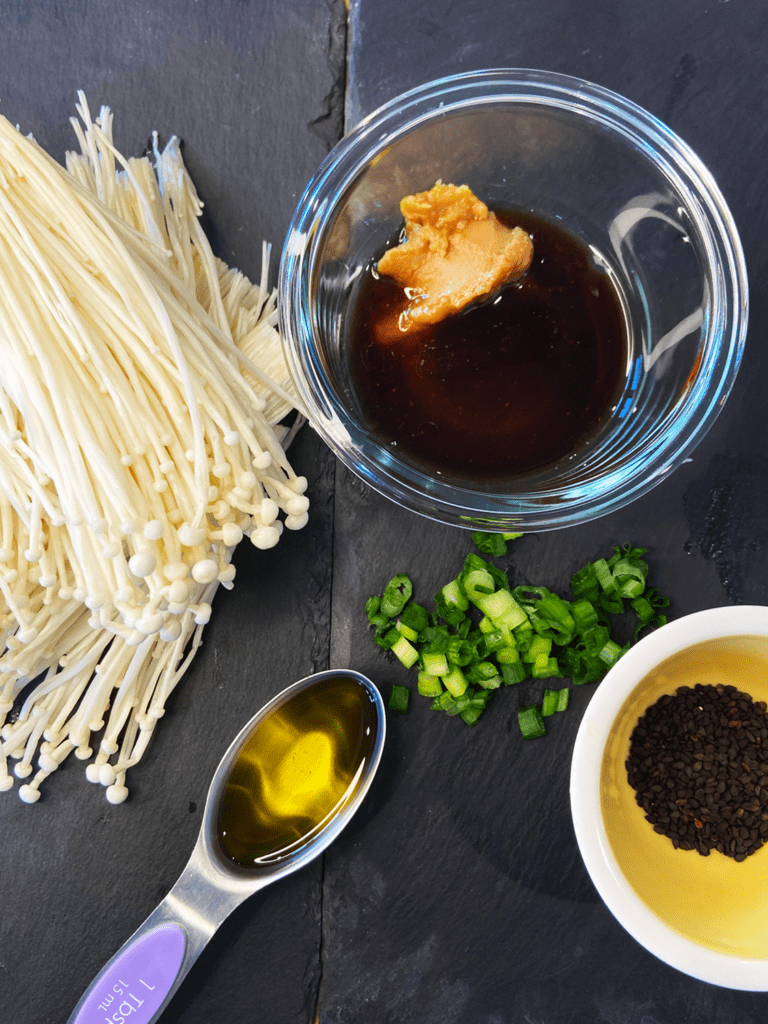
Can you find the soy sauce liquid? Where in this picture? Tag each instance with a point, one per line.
(508, 386)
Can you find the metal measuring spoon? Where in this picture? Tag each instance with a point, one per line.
(231, 860)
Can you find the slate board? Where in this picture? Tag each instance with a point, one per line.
(457, 895)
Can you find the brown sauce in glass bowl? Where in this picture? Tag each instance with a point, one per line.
(511, 384)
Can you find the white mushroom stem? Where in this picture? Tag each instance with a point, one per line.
(142, 381)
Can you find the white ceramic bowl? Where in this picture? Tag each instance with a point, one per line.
(680, 916)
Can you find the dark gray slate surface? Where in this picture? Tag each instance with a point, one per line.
(457, 895)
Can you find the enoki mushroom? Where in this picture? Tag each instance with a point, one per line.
(141, 390)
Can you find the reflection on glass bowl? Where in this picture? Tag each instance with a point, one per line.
(610, 173)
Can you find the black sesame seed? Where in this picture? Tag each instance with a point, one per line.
(685, 786)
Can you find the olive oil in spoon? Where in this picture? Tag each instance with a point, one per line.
(297, 770)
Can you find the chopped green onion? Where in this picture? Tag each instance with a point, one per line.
(626, 567)
(531, 722)
(453, 596)
(496, 639)
(656, 598)
(405, 652)
(396, 594)
(434, 663)
(406, 631)
(502, 609)
(611, 653)
(581, 667)
(514, 673)
(463, 702)
(526, 632)
(444, 702)
(398, 698)
(451, 705)
(429, 685)
(611, 603)
(473, 562)
(437, 638)
(643, 609)
(451, 604)
(493, 543)
(539, 646)
(628, 552)
(463, 627)
(545, 667)
(459, 651)
(556, 613)
(482, 670)
(523, 634)
(528, 597)
(584, 583)
(389, 639)
(477, 584)
(631, 588)
(604, 576)
(372, 610)
(507, 655)
(455, 681)
(584, 614)
(415, 617)
(554, 701)
(594, 639)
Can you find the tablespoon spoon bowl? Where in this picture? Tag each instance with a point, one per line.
(239, 849)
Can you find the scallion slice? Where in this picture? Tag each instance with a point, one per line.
(554, 701)
(502, 609)
(531, 722)
(478, 584)
(435, 663)
(415, 617)
(514, 673)
(398, 698)
(455, 681)
(405, 651)
(396, 595)
(429, 685)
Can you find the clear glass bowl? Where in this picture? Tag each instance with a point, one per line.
(609, 172)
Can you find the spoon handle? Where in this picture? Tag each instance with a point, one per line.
(137, 983)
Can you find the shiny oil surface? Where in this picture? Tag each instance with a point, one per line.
(711, 900)
(300, 766)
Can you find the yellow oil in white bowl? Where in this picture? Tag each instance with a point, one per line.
(713, 901)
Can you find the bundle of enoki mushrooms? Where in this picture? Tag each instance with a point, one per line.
(141, 387)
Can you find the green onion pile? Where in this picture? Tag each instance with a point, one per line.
(523, 633)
